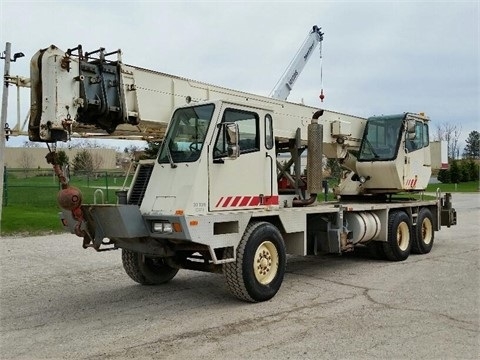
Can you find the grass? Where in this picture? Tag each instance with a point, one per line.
(20, 219)
(471, 186)
(32, 202)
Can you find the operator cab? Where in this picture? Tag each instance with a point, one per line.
(384, 136)
(394, 155)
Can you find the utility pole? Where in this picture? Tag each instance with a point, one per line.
(4, 128)
(3, 122)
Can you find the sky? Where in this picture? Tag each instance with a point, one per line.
(379, 57)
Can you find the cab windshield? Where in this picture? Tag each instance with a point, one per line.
(381, 138)
(186, 134)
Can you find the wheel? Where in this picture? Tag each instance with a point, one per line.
(399, 242)
(424, 234)
(258, 271)
(145, 270)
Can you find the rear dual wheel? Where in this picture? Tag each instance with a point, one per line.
(400, 239)
(404, 238)
(424, 232)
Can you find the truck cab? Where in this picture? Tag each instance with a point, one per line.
(200, 170)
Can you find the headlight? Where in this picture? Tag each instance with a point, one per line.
(157, 227)
(162, 227)
(167, 227)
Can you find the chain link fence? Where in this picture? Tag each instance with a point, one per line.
(39, 187)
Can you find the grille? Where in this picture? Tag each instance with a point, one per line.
(138, 190)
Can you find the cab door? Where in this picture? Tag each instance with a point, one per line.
(245, 182)
(417, 169)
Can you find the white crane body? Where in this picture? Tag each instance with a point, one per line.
(218, 197)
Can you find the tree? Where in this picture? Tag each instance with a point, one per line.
(62, 158)
(471, 169)
(30, 144)
(455, 172)
(334, 169)
(83, 161)
(87, 161)
(152, 149)
(464, 172)
(97, 161)
(26, 162)
(460, 171)
(450, 133)
(472, 149)
(84, 144)
(130, 150)
(444, 176)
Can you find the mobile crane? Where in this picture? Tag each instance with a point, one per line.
(213, 200)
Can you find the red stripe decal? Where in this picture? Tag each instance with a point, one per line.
(227, 200)
(255, 201)
(245, 201)
(236, 200)
(242, 201)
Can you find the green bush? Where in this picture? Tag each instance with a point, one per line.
(460, 171)
(471, 170)
(444, 176)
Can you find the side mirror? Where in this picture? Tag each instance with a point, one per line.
(411, 126)
(232, 132)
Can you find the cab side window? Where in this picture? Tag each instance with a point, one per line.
(421, 137)
(268, 131)
(248, 126)
(418, 135)
(425, 135)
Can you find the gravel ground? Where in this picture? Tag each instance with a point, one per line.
(60, 301)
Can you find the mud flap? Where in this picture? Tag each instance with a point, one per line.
(448, 215)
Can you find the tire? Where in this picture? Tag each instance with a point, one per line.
(399, 241)
(145, 270)
(424, 233)
(258, 271)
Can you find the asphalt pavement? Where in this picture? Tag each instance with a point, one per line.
(60, 301)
